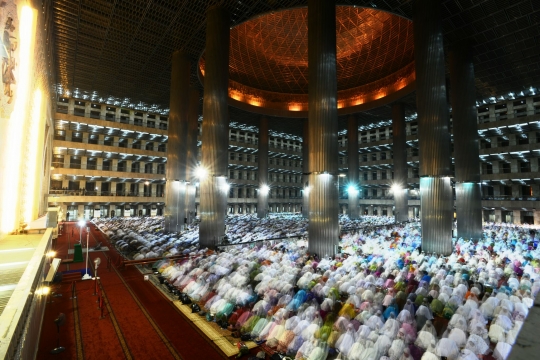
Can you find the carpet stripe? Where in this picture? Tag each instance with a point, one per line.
(165, 340)
(112, 316)
(117, 329)
(78, 333)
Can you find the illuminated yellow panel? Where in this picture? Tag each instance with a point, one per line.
(12, 154)
(35, 143)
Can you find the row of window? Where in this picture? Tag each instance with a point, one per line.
(503, 141)
(239, 192)
(122, 166)
(506, 168)
(109, 141)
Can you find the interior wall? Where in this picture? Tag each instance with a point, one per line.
(26, 124)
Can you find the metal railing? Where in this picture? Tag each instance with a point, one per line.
(511, 197)
(61, 192)
(58, 165)
(113, 118)
(120, 144)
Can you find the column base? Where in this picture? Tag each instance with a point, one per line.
(262, 206)
(213, 209)
(323, 228)
(190, 210)
(174, 206)
(436, 215)
(401, 212)
(354, 209)
(469, 210)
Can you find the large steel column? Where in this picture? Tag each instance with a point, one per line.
(466, 153)
(323, 128)
(176, 144)
(400, 163)
(434, 137)
(191, 154)
(353, 188)
(262, 156)
(215, 128)
(305, 170)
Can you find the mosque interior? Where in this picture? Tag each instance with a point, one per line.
(307, 179)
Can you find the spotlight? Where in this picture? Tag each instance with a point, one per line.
(351, 189)
(265, 189)
(201, 172)
(395, 188)
(81, 223)
(51, 254)
(306, 190)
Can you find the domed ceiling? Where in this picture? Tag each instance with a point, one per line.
(268, 61)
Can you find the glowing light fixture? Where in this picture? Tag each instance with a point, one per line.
(265, 189)
(395, 188)
(51, 254)
(352, 190)
(201, 172)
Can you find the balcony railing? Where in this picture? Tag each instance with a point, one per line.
(112, 143)
(511, 197)
(111, 117)
(58, 192)
(58, 165)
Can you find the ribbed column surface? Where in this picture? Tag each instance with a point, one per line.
(466, 152)
(323, 127)
(436, 203)
(215, 128)
(433, 121)
(352, 160)
(323, 209)
(189, 203)
(192, 134)
(305, 170)
(175, 192)
(262, 156)
(433, 117)
(399, 149)
(469, 210)
(176, 144)
(191, 153)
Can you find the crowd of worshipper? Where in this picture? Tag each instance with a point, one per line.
(145, 238)
(381, 298)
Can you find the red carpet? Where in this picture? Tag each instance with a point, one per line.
(84, 336)
(179, 332)
(139, 323)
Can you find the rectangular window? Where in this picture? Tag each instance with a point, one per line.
(503, 142)
(522, 140)
(524, 167)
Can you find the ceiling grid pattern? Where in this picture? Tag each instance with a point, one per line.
(122, 48)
